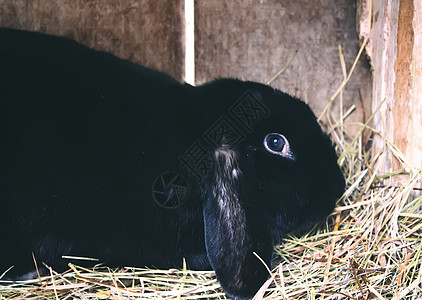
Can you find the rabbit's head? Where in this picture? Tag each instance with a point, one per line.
(281, 176)
(289, 165)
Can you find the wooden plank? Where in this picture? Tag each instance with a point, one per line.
(403, 71)
(396, 59)
(253, 40)
(145, 32)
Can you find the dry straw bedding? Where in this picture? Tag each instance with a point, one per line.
(369, 248)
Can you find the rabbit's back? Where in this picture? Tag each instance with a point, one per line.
(84, 135)
(106, 159)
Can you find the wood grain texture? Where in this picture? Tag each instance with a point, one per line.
(395, 50)
(246, 39)
(403, 71)
(253, 40)
(143, 31)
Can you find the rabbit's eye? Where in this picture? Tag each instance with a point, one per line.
(276, 143)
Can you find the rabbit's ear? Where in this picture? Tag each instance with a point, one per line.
(232, 233)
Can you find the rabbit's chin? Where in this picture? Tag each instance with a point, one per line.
(284, 224)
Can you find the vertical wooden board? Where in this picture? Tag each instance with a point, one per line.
(146, 32)
(381, 49)
(416, 127)
(252, 40)
(395, 51)
(403, 82)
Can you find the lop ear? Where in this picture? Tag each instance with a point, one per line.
(233, 232)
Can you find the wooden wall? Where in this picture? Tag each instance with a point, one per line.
(395, 50)
(148, 32)
(253, 40)
(247, 39)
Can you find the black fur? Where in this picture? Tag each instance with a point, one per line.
(84, 136)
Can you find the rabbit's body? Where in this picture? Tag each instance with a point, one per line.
(87, 141)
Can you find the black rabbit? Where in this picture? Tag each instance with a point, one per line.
(107, 159)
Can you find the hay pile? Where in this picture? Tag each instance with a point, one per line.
(369, 248)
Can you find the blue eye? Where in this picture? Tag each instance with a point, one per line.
(276, 143)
